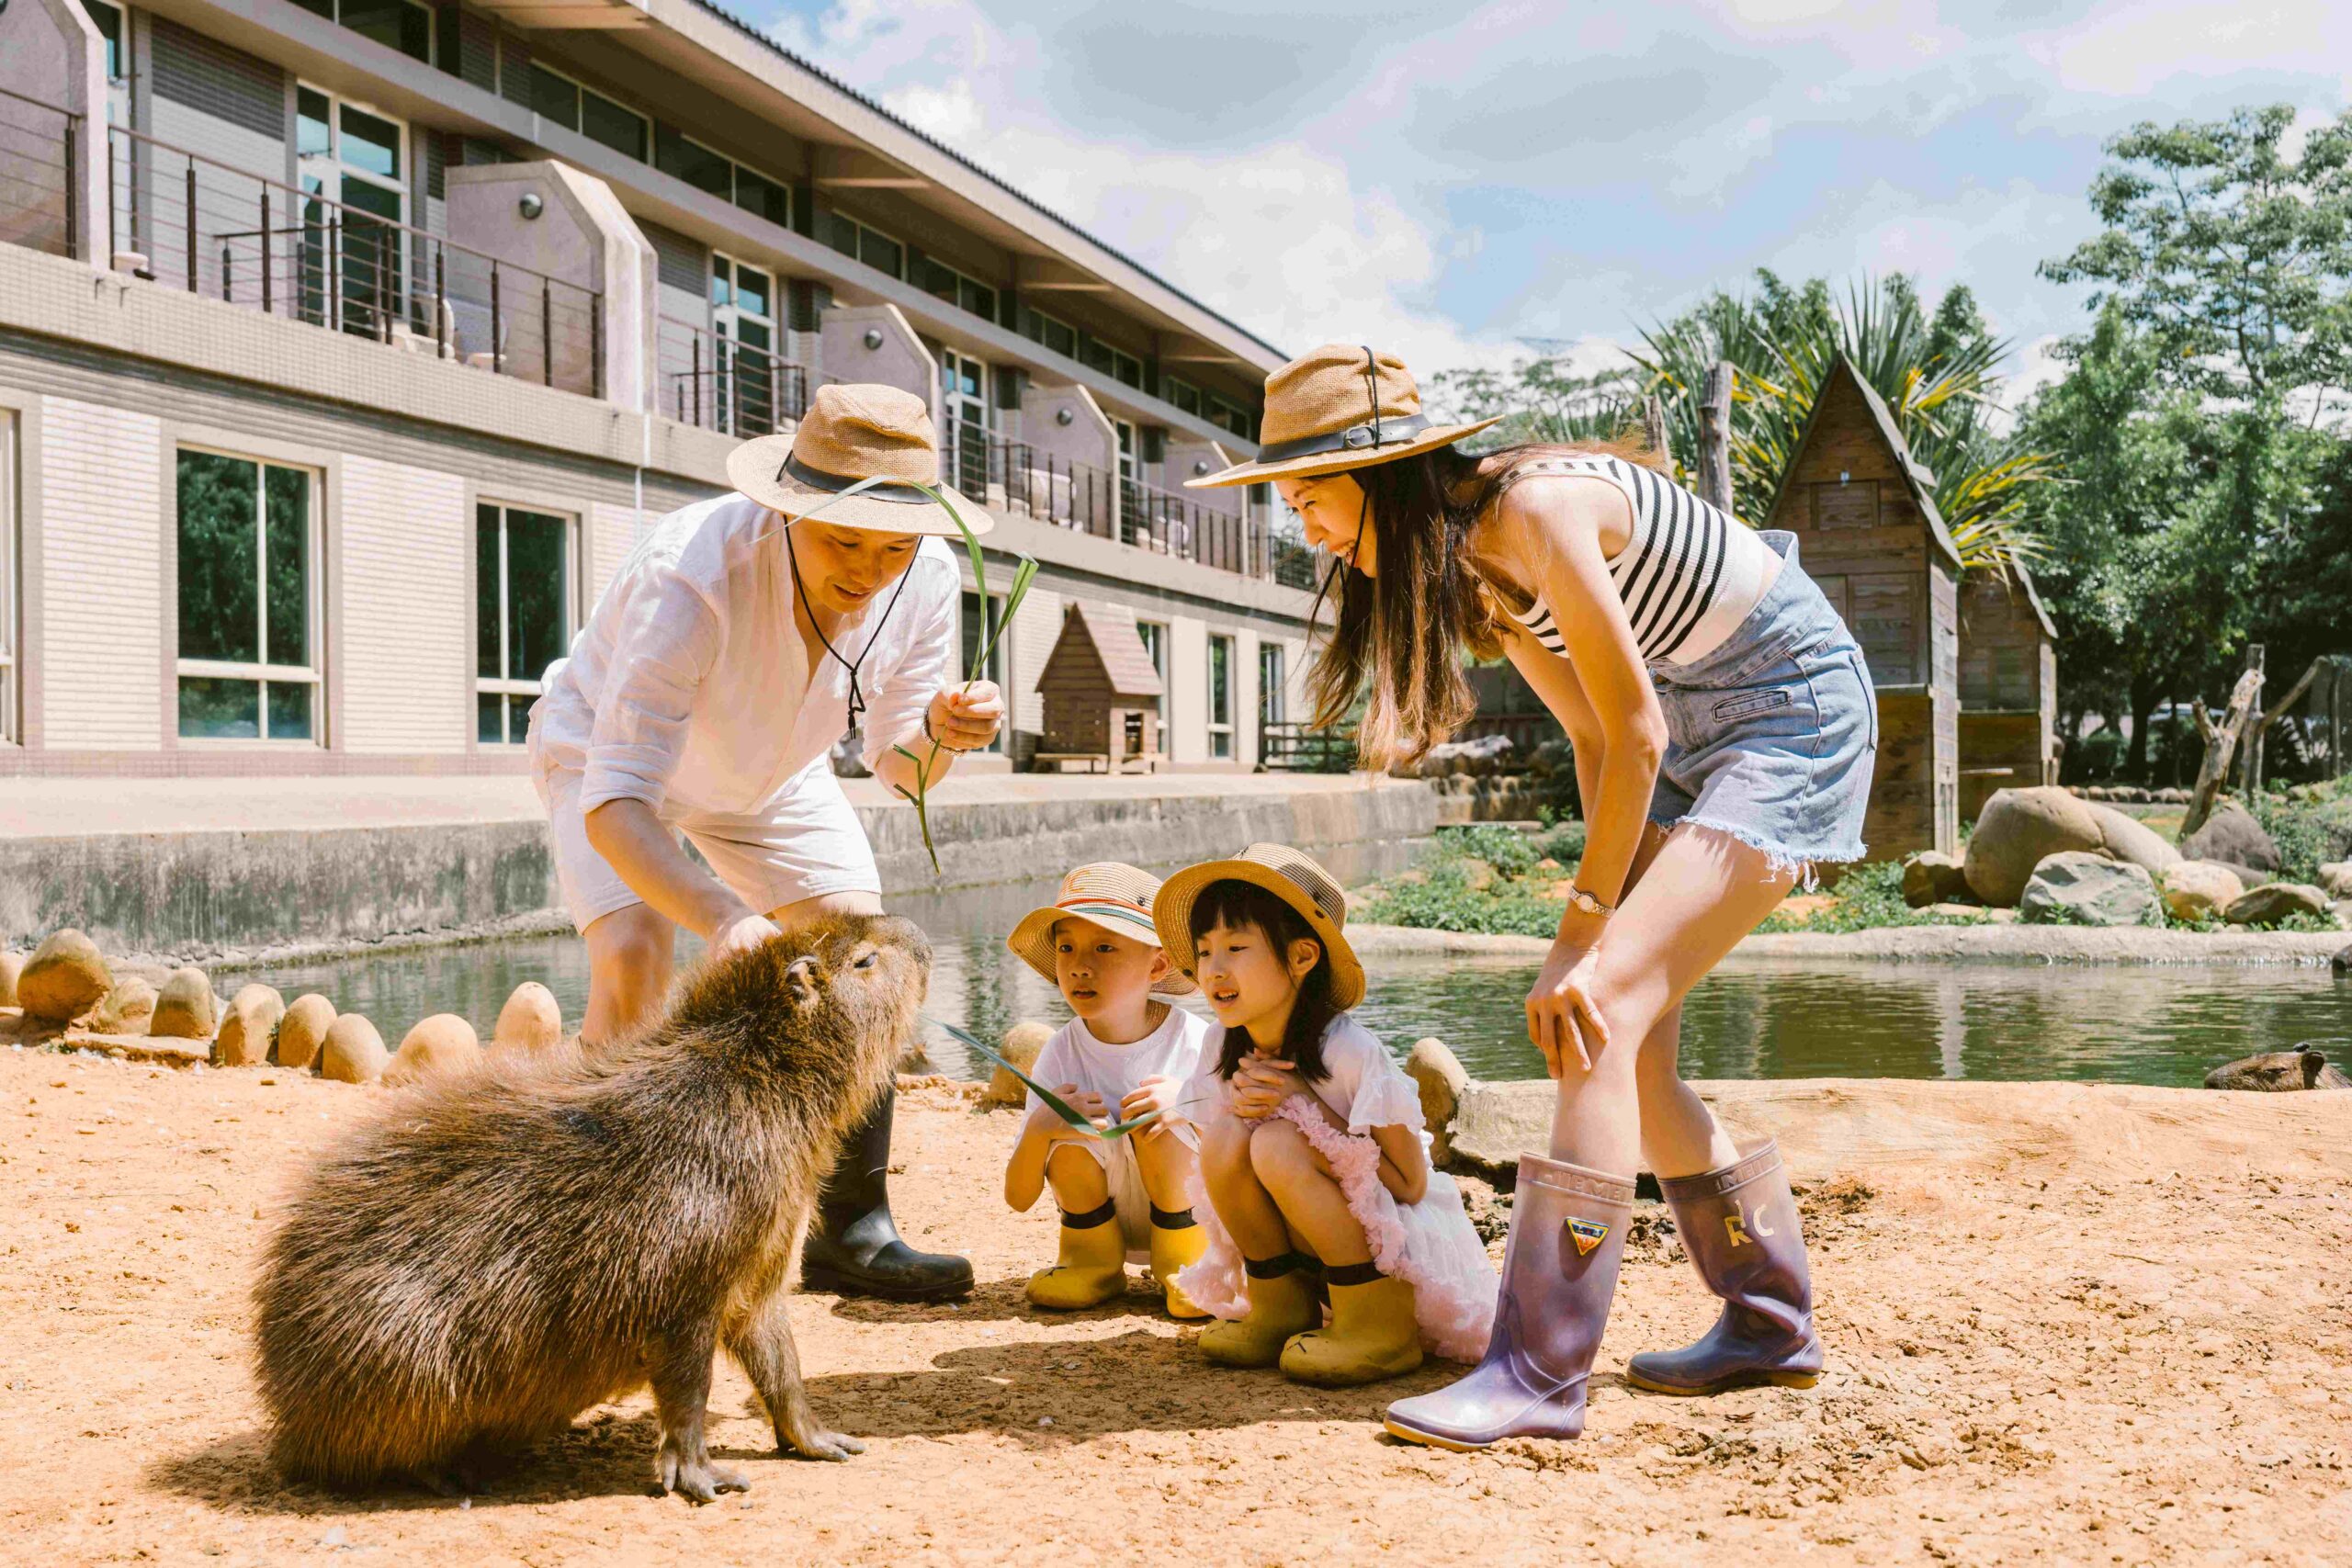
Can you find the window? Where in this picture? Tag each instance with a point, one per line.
(9, 569)
(1183, 393)
(963, 394)
(1115, 363)
(1220, 696)
(1155, 642)
(1231, 415)
(351, 268)
(1273, 703)
(1055, 334)
(248, 665)
(403, 25)
(748, 375)
(108, 21)
(521, 613)
(679, 154)
(559, 99)
(973, 626)
(873, 247)
(942, 281)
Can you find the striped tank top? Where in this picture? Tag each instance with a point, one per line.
(1688, 576)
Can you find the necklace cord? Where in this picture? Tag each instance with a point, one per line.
(800, 591)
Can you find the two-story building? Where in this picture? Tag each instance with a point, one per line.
(347, 346)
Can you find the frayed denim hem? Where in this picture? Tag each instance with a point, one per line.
(1779, 860)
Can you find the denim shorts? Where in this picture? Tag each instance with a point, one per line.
(1773, 737)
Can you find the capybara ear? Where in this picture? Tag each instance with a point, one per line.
(2314, 1064)
(801, 975)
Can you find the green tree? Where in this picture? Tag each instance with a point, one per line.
(1539, 399)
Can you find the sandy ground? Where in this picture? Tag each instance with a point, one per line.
(2097, 1330)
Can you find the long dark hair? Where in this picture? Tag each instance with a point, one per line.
(1237, 905)
(1398, 637)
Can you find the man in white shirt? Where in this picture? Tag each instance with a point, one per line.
(704, 696)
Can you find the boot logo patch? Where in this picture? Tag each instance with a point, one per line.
(1734, 1229)
(1587, 1235)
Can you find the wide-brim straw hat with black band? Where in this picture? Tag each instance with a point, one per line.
(1109, 894)
(1338, 407)
(1293, 878)
(854, 433)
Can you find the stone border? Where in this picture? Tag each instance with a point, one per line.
(1926, 944)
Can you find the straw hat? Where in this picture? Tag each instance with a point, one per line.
(854, 433)
(1341, 406)
(1293, 878)
(1109, 894)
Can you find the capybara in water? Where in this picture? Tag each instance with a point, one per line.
(2301, 1069)
(503, 1249)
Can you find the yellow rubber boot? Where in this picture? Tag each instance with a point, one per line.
(1176, 1243)
(1281, 1302)
(1372, 1335)
(1093, 1265)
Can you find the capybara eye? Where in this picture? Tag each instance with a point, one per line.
(865, 960)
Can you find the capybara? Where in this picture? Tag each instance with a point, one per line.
(501, 1250)
(2300, 1068)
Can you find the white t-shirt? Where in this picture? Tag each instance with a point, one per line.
(1073, 1056)
(1367, 1089)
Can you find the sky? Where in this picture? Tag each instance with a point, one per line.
(1449, 181)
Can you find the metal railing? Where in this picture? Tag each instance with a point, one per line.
(228, 234)
(1290, 746)
(709, 380)
(39, 204)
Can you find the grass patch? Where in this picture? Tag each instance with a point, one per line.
(1868, 898)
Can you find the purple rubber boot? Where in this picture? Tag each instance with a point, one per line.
(1567, 1232)
(1739, 1225)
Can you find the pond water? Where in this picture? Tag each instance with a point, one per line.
(1751, 1020)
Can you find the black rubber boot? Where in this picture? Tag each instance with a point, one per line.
(853, 1247)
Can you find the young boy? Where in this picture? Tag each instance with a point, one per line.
(1125, 1054)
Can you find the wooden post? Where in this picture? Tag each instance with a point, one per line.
(1654, 434)
(2220, 743)
(1715, 436)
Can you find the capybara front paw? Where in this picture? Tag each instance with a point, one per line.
(815, 1442)
(694, 1478)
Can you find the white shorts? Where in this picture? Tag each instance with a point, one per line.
(1123, 1177)
(803, 844)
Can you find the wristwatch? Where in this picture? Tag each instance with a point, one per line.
(1579, 898)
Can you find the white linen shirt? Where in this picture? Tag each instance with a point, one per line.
(690, 687)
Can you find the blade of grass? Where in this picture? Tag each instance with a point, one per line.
(1054, 1102)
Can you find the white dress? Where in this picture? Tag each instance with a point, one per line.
(1431, 1245)
(1171, 1051)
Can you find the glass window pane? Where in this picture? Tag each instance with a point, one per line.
(220, 596)
(841, 233)
(690, 160)
(489, 714)
(370, 143)
(978, 299)
(880, 254)
(1220, 684)
(108, 22)
(758, 194)
(623, 130)
(290, 710)
(754, 291)
(722, 288)
(313, 135)
(518, 719)
(288, 628)
(486, 591)
(318, 8)
(220, 709)
(536, 593)
(554, 97)
(416, 33)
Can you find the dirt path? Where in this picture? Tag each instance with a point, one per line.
(2035, 1355)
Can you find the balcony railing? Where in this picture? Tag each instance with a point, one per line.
(219, 231)
(736, 389)
(39, 209)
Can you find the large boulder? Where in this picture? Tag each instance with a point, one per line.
(438, 1045)
(64, 978)
(1020, 1046)
(247, 1027)
(1933, 877)
(353, 1052)
(303, 1030)
(2232, 834)
(11, 966)
(531, 1020)
(1438, 1072)
(2335, 880)
(186, 1008)
(2021, 828)
(2078, 887)
(127, 1008)
(2275, 901)
(1473, 758)
(2197, 889)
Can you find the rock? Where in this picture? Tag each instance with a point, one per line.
(2334, 880)
(1474, 759)
(848, 761)
(2342, 907)
(352, 1052)
(2279, 1072)
(2232, 834)
(127, 1008)
(1933, 877)
(2342, 963)
(529, 1021)
(1964, 911)
(1020, 1046)
(2275, 901)
(2078, 887)
(247, 1027)
(2021, 828)
(2197, 888)
(1476, 874)
(64, 977)
(303, 1030)
(2246, 875)
(1438, 1074)
(11, 966)
(186, 1008)
(440, 1045)
(1553, 756)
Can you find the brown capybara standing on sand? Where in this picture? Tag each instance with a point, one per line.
(503, 1249)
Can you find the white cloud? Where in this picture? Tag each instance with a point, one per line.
(2134, 47)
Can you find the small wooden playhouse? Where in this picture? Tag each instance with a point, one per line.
(2008, 688)
(1865, 514)
(1103, 693)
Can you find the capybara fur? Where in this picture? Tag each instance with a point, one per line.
(2301, 1069)
(501, 1250)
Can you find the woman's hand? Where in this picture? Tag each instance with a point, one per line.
(1261, 1084)
(1563, 1014)
(965, 718)
(1155, 1093)
(740, 934)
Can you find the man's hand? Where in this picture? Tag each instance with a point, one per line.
(740, 934)
(964, 718)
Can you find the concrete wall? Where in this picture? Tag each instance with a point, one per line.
(101, 583)
(51, 52)
(1087, 438)
(403, 608)
(896, 359)
(1188, 690)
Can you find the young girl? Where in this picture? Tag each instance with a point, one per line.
(1125, 1054)
(1313, 1160)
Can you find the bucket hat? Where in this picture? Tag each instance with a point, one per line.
(1290, 876)
(1109, 894)
(1337, 407)
(854, 433)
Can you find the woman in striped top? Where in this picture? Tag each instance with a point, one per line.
(1724, 733)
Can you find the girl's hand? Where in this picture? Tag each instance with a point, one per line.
(1261, 1084)
(964, 718)
(1563, 1014)
(1154, 1093)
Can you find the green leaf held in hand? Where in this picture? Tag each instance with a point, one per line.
(1054, 1102)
